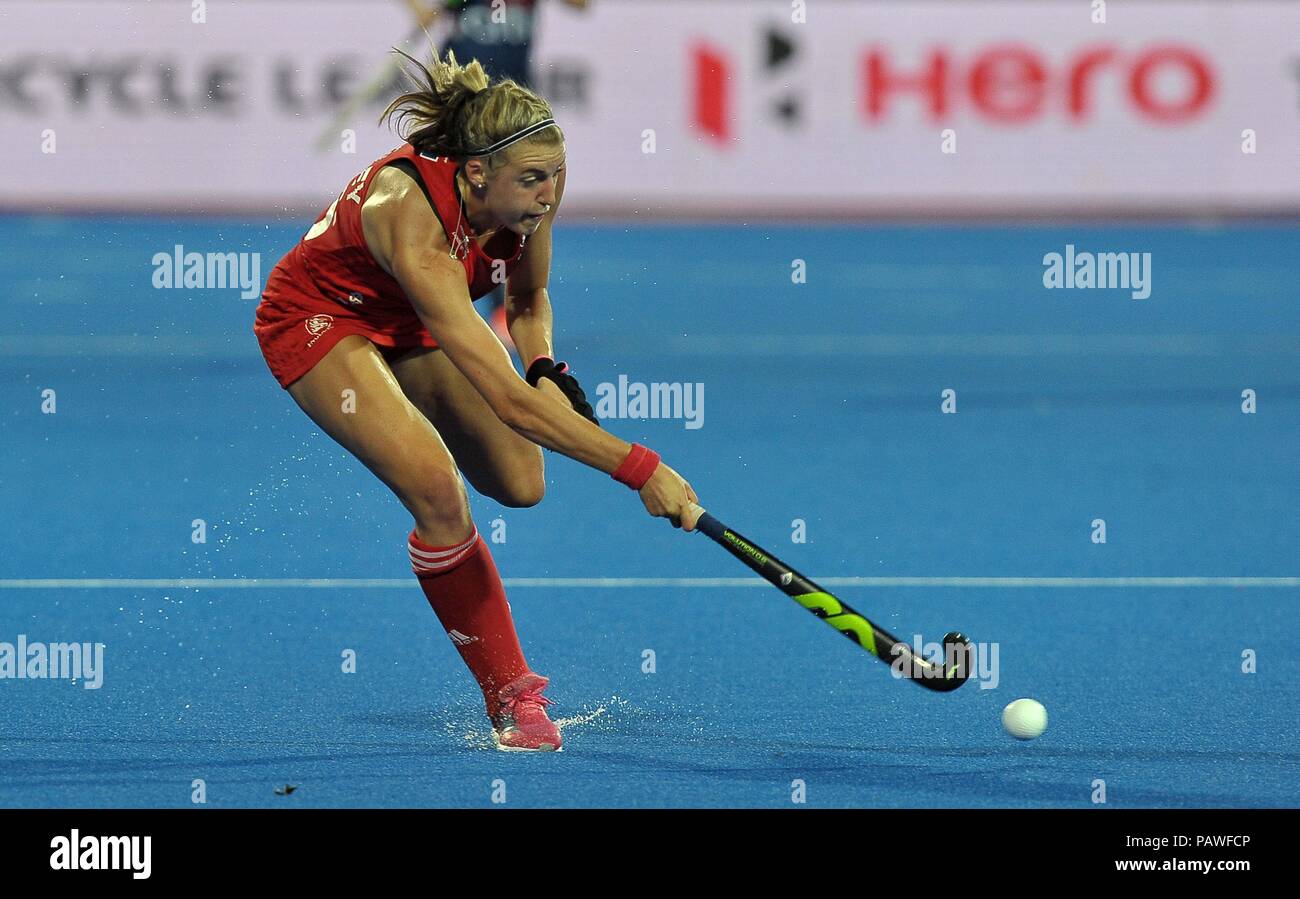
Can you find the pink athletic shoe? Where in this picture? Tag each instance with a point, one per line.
(522, 722)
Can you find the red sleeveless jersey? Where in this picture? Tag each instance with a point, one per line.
(329, 286)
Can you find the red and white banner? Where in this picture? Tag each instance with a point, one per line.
(714, 107)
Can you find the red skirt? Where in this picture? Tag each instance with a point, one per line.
(296, 327)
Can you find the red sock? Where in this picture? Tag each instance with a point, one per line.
(463, 587)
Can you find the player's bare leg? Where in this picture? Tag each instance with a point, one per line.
(498, 462)
(396, 441)
(388, 434)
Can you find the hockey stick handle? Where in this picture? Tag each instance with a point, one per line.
(383, 76)
(839, 615)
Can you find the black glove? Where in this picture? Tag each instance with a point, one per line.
(545, 367)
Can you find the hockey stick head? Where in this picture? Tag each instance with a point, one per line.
(948, 673)
(957, 658)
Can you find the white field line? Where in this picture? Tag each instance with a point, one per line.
(634, 582)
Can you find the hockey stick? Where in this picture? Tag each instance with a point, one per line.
(835, 612)
(383, 77)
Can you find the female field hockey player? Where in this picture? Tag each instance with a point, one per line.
(503, 45)
(377, 299)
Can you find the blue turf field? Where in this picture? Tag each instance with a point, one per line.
(821, 403)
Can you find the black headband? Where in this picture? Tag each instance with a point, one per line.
(507, 141)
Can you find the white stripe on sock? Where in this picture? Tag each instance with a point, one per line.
(427, 562)
(420, 568)
(435, 555)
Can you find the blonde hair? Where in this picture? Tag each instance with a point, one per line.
(455, 109)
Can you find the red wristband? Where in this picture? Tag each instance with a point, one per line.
(637, 468)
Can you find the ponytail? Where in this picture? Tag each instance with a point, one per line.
(455, 109)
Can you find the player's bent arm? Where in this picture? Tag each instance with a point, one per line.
(436, 286)
(438, 293)
(409, 243)
(529, 320)
(528, 305)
